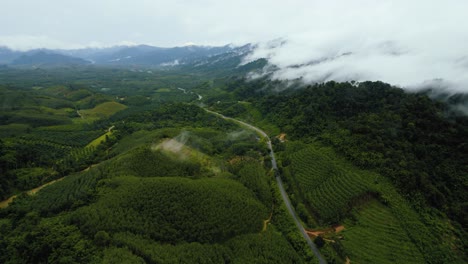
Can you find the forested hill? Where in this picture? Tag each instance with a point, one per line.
(414, 141)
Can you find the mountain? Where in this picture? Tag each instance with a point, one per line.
(145, 55)
(230, 62)
(7, 55)
(43, 58)
(107, 55)
(155, 56)
(123, 56)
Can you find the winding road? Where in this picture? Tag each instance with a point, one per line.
(284, 195)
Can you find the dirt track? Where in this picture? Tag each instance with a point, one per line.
(6, 202)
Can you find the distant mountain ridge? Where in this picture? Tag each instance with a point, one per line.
(7, 55)
(43, 58)
(122, 56)
(151, 56)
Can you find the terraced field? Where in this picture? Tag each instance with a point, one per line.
(327, 186)
(60, 150)
(377, 237)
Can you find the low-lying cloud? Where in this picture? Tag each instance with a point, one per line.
(406, 44)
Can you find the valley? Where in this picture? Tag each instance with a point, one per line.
(176, 169)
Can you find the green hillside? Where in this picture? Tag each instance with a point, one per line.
(374, 235)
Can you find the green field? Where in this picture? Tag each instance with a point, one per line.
(103, 110)
(99, 140)
(163, 90)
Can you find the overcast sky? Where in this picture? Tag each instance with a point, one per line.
(402, 42)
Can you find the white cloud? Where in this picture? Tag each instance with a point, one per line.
(27, 42)
(407, 44)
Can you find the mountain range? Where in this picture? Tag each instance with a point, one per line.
(123, 56)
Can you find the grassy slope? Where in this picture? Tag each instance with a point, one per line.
(103, 110)
(98, 140)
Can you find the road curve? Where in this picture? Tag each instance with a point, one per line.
(284, 195)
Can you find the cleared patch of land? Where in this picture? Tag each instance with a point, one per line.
(103, 110)
(100, 139)
(183, 152)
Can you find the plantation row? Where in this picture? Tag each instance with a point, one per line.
(13, 130)
(386, 220)
(42, 152)
(72, 192)
(428, 233)
(309, 173)
(173, 209)
(44, 143)
(268, 247)
(33, 118)
(325, 186)
(70, 138)
(376, 236)
(33, 153)
(253, 176)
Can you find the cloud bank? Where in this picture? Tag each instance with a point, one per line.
(413, 45)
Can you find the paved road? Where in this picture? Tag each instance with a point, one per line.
(284, 195)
